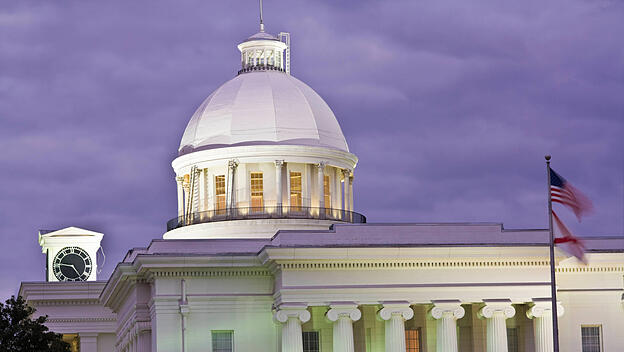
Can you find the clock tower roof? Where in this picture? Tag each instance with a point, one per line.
(71, 231)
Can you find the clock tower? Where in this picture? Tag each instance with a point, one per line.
(70, 254)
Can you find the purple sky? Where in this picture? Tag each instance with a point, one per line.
(450, 107)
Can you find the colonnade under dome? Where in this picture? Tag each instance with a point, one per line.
(319, 190)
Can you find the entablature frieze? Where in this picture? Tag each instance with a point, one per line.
(61, 302)
(517, 292)
(81, 320)
(225, 272)
(406, 264)
(147, 268)
(590, 269)
(264, 154)
(98, 324)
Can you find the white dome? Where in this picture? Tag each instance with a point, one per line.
(263, 107)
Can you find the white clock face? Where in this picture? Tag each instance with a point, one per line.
(72, 264)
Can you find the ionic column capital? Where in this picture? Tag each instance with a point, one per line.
(321, 165)
(543, 307)
(233, 164)
(179, 179)
(279, 163)
(283, 313)
(391, 309)
(497, 306)
(346, 173)
(338, 311)
(447, 308)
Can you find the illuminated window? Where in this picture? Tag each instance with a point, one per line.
(295, 190)
(220, 192)
(590, 338)
(222, 341)
(326, 192)
(412, 340)
(311, 341)
(257, 190)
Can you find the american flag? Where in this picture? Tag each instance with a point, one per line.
(562, 192)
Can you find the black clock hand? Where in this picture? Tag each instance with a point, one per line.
(72, 266)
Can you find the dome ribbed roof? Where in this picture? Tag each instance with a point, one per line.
(264, 107)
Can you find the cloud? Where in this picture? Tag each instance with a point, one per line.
(450, 107)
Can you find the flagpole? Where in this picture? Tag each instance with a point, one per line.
(553, 283)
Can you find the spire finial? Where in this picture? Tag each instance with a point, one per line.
(261, 22)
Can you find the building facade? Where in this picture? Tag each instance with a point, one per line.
(266, 252)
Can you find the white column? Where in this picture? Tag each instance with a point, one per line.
(291, 318)
(307, 186)
(210, 192)
(347, 175)
(395, 315)
(446, 313)
(279, 164)
(179, 181)
(88, 342)
(321, 189)
(196, 190)
(203, 191)
(541, 313)
(186, 186)
(336, 191)
(232, 164)
(496, 312)
(343, 315)
(351, 206)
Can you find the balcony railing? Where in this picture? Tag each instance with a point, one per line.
(268, 212)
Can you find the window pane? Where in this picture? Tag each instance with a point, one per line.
(222, 341)
(257, 190)
(590, 338)
(220, 192)
(412, 340)
(295, 190)
(311, 341)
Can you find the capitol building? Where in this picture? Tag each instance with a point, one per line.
(268, 252)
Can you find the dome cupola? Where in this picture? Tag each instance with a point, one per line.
(263, 152)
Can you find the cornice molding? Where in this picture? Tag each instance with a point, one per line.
(265, 153)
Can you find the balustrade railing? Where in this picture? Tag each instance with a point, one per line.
(267, 212)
